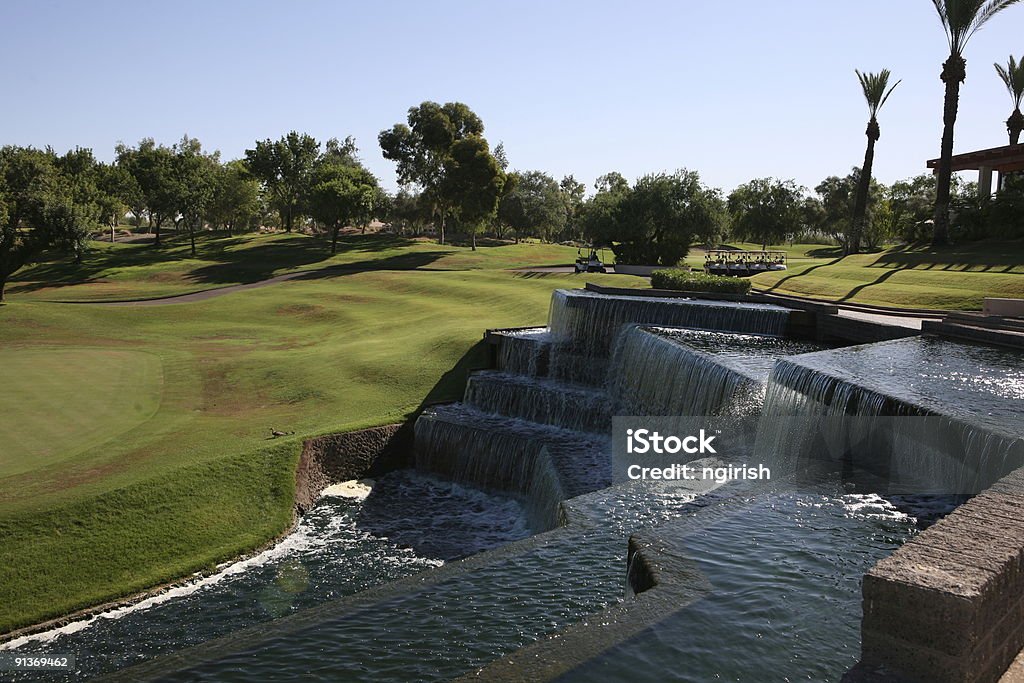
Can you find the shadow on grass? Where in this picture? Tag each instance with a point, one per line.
(985, 256)
(802, 273)
(877, 281)
(231, 261)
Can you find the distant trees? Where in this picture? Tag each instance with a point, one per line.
(961, 19)
(765, 210)
(151, 167)
(46, 202)
(535, 204)
(236, 197)
(876, 92)
(1012, 76)
(285, 168)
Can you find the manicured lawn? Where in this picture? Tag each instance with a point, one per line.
(956, 278)
(135, 439)
(130, 270)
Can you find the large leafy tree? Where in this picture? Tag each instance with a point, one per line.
(662, 215)
(152, 167)
(422, 150)
(285, 167)
(118, 193)
(343, 193)
(1012, 76)
(473, 183)
(961, 19)
(765, 210)
(876, 91)
(535, 204)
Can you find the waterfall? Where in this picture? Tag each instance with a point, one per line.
(813, 411)
(539, 400)
(524, 352)
(654, 375)
(544, 464)
(590, 321)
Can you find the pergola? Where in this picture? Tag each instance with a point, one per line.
(1006, 159)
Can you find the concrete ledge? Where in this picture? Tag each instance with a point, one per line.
(948, 606)
(950, 329)
(1011, 308)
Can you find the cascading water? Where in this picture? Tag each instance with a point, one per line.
(524, 351)
(961, 436)
(652, 374)
(539, 400)
(590, 321)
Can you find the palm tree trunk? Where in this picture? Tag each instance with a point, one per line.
(1014, 126)
(860, 205)
(954, 72)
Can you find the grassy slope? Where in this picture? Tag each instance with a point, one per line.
(120, 499)
(122, 271)
(956, 278)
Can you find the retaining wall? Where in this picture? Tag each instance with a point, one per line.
(948, 606)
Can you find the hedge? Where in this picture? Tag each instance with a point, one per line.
(689, 281)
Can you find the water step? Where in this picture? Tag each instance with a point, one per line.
(510, 454)
(544, 401)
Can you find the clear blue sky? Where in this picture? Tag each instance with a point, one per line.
(735, 90)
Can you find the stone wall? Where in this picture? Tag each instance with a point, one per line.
(334, 458)
(948, 606)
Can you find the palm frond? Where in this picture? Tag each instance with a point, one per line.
(961, 19)
(876, 88)
(1013, 76)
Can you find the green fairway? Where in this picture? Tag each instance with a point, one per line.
(955, 278)
(135, 443)
(67, 400)
(139, 271)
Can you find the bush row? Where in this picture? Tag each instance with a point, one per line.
(689, 281)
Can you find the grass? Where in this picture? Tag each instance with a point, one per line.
(134, 439)
(955, 278)
(126, 270)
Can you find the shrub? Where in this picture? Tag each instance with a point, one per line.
(688, 281)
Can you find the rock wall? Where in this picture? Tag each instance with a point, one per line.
(334, 458)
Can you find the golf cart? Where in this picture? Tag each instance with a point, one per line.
(589, 264)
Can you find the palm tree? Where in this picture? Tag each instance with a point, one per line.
(876, 92)
(1013, 76)
(961, 19)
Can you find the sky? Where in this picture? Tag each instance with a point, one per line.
(735, 90)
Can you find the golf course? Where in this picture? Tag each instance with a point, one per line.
(159, 461)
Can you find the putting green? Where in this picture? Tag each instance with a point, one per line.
(68, 400)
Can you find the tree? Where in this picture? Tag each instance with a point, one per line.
(151, 166)
(573, 192)
(195, 176)
(407, 212)
(118, 192)
(45, 203)
(599, 218)
(765, 210)
(961, 19)
(236, 196)
(534, 205)
(876, 92)
(422, 150)
(662, 215)
(342, 193)
(1013, 77)
(473, 182)
(285, 168)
